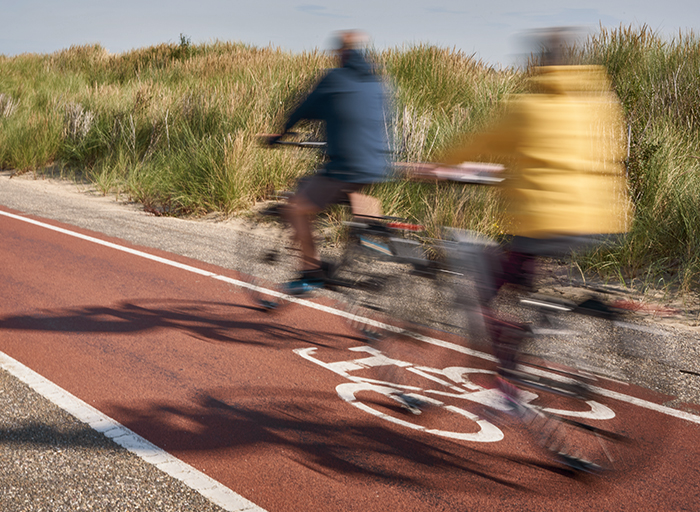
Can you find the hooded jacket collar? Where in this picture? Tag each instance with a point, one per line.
(570, 80)
(355, 61)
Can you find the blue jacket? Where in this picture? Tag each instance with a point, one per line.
(350, 100)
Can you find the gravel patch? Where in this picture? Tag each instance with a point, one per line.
(49, 461)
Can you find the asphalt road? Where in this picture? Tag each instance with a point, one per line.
(186, 361)
(238, 244)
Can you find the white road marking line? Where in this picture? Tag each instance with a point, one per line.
(208, 487)
(344, 314)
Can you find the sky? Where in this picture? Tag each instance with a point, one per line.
(490, 30)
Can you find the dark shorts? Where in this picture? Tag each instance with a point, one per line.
(323, 191)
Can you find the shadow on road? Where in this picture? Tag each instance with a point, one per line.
(299, 423)
(302, 426)
(208, 321)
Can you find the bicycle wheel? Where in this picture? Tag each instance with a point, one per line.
(362, 283)
(473, 262)
(386, 293)
(589, 366)
(270, 264)
(390, 403)
(583, 431)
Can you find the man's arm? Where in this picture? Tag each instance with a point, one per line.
(314, 105)
(467, 172)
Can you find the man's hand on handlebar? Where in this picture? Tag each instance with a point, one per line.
(466, 172)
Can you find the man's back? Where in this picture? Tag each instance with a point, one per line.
(563, 146)
(350, 100)
(569, 177)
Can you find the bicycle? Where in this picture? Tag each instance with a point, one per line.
(458, 402)
(560, 400)
(378, 261)
(382, 259)
(565, 379)
(368, 275)
(446, 388)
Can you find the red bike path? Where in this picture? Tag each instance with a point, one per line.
(190, 363)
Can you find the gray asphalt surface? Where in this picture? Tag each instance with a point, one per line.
(50, 461)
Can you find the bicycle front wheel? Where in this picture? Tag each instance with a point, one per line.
(387, 295)
(586, 426)
(390, 404)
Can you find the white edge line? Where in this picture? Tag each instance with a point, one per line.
(344, 314)
(693, 418)
(205, 485)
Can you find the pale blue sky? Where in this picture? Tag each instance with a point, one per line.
(489, 29)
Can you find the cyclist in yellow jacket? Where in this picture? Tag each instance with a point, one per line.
(563, 145)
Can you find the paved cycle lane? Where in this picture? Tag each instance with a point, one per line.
(174, 350)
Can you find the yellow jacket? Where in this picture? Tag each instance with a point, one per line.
(563, 146)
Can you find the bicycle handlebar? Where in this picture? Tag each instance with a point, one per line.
(308, 144)
(474, 173)
(274, 140)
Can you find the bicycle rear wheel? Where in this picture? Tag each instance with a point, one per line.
(272, 263)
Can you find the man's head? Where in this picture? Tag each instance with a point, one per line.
(347, 40)
(557, 45)
(553, 46)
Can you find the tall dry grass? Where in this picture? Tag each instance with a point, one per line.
(657, 82)
(173, 126)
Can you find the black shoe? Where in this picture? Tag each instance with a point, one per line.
(577, 464)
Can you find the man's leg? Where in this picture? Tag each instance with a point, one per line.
(300, 212)
(315, 194)
(365, 206)
(507, 332)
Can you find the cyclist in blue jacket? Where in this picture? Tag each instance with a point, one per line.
(350, 101)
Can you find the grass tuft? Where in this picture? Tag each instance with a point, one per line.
(173, 126)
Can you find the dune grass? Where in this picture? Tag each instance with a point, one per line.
(657, 82)
(173, 126)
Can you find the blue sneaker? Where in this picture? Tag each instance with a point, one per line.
(303, 286)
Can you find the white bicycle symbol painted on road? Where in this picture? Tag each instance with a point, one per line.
(457, 383)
